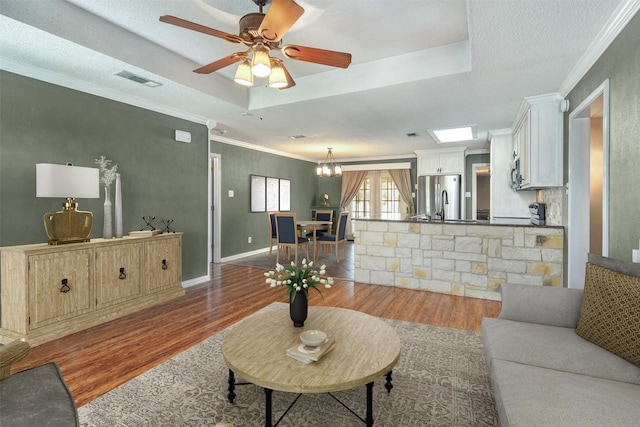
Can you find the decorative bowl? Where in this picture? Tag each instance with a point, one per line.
(313, 338)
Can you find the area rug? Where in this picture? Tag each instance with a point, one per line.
(440, 380)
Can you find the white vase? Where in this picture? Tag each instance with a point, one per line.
(118, 207)
(107, 230)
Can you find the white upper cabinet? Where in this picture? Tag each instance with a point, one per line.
(440, 162)
(537, 138)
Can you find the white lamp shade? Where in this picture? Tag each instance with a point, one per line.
(243, 74)
(277, 78)
(67, 181)
(261, 63)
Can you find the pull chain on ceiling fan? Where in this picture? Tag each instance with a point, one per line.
(263, 34)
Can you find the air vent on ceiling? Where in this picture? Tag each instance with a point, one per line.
(297, 136)
(138, 79)
(412, 134)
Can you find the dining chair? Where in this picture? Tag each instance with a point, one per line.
(327, 240)
(321, 215)
(273, 235)
(287, 232)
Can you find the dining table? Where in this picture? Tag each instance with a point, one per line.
(314, 226)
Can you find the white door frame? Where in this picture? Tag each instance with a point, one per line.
(474, 188)
(213, 254)
(578, 223)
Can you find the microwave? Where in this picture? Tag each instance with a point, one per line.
(515, 177)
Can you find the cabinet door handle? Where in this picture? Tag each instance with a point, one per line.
(164, 264)
(122, 275)
(64, 287)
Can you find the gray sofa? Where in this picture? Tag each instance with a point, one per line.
(544, 374)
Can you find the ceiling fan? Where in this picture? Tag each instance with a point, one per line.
(263, 33)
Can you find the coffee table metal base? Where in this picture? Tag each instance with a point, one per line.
(268, 399)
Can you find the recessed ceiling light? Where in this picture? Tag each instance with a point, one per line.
(457, 134)
(297, 136)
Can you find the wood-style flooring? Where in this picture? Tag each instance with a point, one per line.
(101, 358)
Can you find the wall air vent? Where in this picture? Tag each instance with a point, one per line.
(138, 79)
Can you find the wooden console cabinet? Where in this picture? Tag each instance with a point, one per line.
(47, 292)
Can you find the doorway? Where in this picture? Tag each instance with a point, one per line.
(588, 184)
(481, 191)
(214, 210)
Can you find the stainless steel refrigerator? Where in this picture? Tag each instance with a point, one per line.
(437, 193)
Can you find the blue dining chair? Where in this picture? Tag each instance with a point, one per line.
(273, 234)
(327, 240)
(322, 215)
(287, 232)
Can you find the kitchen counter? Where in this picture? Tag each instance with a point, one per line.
(470, 258)
(515, 222)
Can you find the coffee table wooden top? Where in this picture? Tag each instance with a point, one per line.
(366, 349)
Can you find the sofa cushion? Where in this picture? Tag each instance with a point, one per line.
(610, 313)
(553, 347)
(531, 396)
(37, 397)
(553, 306)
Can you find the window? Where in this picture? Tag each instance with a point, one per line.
(361, 204)
(378, 197)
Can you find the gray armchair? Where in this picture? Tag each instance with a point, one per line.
(33, 397)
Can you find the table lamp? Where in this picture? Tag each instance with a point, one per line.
(69, 225)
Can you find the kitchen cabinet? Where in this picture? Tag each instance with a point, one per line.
(506, 203)
(440, 162)
(52, 291)
(538, 141)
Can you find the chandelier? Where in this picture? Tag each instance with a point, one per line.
(329, 168)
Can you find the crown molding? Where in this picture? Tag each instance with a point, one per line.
(255, 147)
(625, 11)
(93, 89)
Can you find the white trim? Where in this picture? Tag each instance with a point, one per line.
(196, 281)
(378, 158)
(625, 11)
(477, 151)
(474, 188)
(93, 89)
(246, 254)
(576, 235)
(230, 141)
(376, 166)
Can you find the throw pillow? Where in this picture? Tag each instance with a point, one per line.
(610, 312)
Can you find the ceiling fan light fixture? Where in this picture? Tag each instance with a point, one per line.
(243, 75)
(261, 62)
(277, 78)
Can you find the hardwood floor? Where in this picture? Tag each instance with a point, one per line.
(101, 358)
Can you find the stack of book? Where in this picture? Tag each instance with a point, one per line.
(144, 233)
(306, 354)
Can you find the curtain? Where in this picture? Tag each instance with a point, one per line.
(351, 181)
(402, 179)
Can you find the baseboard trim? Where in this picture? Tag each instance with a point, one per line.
(245, 254)
(195, 281)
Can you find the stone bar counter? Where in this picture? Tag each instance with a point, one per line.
(458, 258)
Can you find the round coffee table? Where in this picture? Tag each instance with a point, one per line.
(366, 349)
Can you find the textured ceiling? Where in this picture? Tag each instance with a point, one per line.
(417, 64)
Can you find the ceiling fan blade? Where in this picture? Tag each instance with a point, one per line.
(318, 56)
(200, 28)
(221, 63)
(282, 14)
(290, 81)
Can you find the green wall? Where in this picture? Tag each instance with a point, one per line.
(237, 164)
(45, 123)
(620, 63)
